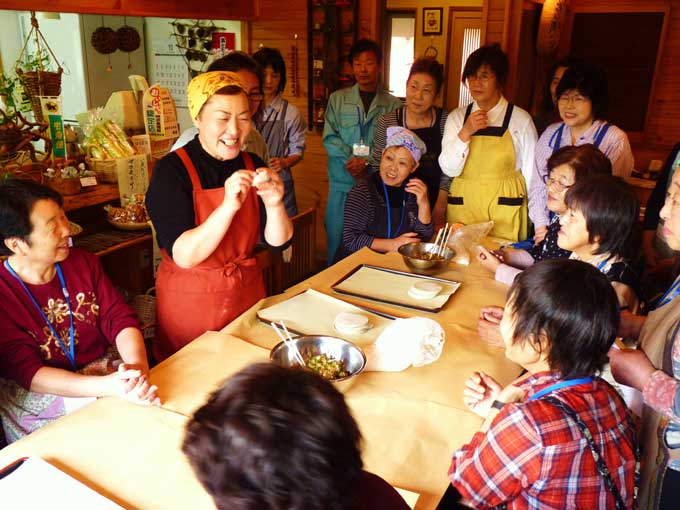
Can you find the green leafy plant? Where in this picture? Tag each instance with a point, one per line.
(37, 61)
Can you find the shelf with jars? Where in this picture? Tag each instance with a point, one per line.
(333, 29)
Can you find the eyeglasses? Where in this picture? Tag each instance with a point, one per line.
(576, 99)
(481, 77)
(256, 96)
(424, 91)
(557, 185)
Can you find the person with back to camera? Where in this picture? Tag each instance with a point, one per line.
(582, 100)
(488, 148)
(275, 438)
(549, 437)
(280, 123)
(351, 118)
(210, 207)
(421, 116)
(64, 329)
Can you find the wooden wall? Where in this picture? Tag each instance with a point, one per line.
(502, 18)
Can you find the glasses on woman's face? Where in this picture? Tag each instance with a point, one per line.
(483, 77)
(256, 96)
(425, 91)
(575, 99)
(556, 184)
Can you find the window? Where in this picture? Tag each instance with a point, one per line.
(400, 50)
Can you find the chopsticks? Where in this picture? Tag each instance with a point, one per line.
(441, 241)
(288, 340)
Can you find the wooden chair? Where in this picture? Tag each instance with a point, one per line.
(302, 263)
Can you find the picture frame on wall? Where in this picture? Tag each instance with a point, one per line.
(432, 20)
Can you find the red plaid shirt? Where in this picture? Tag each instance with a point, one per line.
(535, 457)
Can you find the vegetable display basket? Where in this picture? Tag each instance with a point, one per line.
(39, 82)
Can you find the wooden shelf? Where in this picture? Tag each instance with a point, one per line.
(105, 242)
(100, 194)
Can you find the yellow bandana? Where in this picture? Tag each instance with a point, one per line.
(203, 86)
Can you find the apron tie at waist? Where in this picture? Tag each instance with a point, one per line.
(231, 267)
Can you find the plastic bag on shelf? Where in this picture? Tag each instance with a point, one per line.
(465, 241)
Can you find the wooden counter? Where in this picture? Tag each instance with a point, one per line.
(99, 194)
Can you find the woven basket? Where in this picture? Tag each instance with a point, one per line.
(106, 169)
(64, 186)
(145, 306)
(40, 83)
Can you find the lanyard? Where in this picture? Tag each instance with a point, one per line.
(389, 213)
(362, 127)
(670, 294)
(559, 386)
(69, 353)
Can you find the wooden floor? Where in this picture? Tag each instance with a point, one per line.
(311, 186)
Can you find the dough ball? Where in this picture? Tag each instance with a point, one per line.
(261, 178)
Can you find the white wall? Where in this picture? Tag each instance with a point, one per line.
(161, 50)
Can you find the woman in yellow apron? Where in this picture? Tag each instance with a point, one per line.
(488, 147)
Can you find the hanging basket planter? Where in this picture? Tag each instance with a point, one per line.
(36, 80)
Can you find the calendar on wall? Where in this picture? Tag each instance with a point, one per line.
(172, 73)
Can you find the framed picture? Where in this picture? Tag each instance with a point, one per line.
(432, 20)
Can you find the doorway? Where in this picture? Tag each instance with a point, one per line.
(465, 32)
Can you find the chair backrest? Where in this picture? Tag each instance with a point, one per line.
(302, 262)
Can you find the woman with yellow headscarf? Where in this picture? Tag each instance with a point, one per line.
(210, 204)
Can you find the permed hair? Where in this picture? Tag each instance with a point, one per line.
(272, 57)
(610, 208)
(491, 55)
(572, 307)
(590, 81)
(275, 438)
(364, 45)
(584, 160)
(17, 198)
(431, 67)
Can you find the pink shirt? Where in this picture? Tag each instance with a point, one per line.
(27, 343)
(614, 145)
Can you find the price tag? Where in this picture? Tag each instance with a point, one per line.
(88, 181)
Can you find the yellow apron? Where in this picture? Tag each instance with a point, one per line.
(490, 187)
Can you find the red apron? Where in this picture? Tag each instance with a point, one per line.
(210, 295)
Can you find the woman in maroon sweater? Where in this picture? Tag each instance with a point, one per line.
(64, 328)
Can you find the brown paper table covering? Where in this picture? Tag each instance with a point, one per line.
(412, 421)
(128, 453)
(388, 286)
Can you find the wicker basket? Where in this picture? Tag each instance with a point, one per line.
(106, 169)
(70, 186)
(40, 83)
(145, 306)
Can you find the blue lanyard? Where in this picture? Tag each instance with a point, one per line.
(69, 353)
(670, 294)
(389, 213)
(362, 127)
(559, 386)
(601, 265)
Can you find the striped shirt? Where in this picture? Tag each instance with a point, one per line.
(614, 145)
(364, 204)
(380, 140)
(534, 457)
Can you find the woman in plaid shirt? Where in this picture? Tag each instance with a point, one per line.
(531, 452)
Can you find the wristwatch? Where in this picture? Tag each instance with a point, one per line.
(497, 404)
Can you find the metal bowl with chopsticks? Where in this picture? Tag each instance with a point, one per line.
(426, 258)
(352, 357)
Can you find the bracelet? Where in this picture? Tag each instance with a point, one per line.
(497, 404)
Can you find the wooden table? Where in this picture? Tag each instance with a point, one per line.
(411, 421)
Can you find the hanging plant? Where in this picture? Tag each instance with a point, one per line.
(128, 39)
(104, 40)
